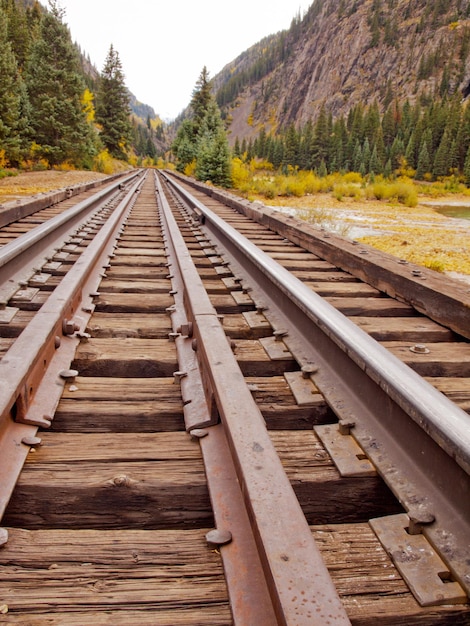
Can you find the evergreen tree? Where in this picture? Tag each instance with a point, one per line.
(442, 160)
(424, 162)
(321, 139)
(374, 163)
(466, 170)
(18, 31)
(55, 86)
(213, 156)
(201, 97)
(10, 99)
(184, 146)
(203, 138)
(113, 109)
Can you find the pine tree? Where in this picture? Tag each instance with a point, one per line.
(442, 160)
(184, 146)
(202, 95)
(424, 162)
(55, 86)
(113, 109)
(213, 154)
(466, 170)
(321, 139)
(203, 138)
(18, 31)
(10, 99)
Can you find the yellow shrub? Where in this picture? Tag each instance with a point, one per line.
(64, 167)
(103, 163)
(401, 191)
(240, 173)
(190, 168)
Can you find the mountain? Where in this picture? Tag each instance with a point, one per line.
(345, 52)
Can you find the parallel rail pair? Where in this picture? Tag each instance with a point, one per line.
(321, 341)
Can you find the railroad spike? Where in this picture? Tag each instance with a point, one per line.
(216, 538)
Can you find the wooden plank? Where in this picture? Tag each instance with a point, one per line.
(94, 447)
(414, 329)
(144, 325)
(443, 359)
(143, 260)
(17, 324)
(129, 357)
(277, 404)
(58, 577)
(103, 405)
(457, 389)
(371, 307)
(330, 275)
(346, 290)
(141, 285)
(137, 252)
(133, 303)
(111, 494)
(131, 272)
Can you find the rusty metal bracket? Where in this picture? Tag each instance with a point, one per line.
(275, 349)
(303, 389)
(425, 573)
(256, 320)
(347, 455)
(7, 313)
(242, 299)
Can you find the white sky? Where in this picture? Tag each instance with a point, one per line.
(163, 45)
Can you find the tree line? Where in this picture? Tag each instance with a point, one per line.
(51, 111)
(427, 140)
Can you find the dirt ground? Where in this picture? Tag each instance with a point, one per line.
(31, 183)
(420, 234)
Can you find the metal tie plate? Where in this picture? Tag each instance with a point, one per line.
(345, 452)
(7, 314)
(303, 389)
(276, 350)
(242, 298)
(425, 573)
(25, 295)
(256, 320)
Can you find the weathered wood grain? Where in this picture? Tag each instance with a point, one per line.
(83, 577)
(128, 357)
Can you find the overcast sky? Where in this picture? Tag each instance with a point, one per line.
(163, 45)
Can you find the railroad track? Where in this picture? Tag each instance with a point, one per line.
(206, 440)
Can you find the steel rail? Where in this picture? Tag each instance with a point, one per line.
(418, 439)
(300, 586)
(30, 378)
(18, 256)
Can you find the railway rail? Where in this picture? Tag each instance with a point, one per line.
(209, 417)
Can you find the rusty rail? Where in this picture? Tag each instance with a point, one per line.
(298, 582)
(418, 440)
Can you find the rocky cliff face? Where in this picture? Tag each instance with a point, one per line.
(344, 52)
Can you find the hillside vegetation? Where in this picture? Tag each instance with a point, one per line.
(341, 53)
(56, 110)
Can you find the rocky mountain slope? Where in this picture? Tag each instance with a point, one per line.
(342, 52)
